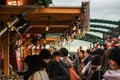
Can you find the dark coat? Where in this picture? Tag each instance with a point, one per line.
(57, 72)
(76, 63)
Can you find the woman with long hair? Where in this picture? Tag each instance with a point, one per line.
(37, 66)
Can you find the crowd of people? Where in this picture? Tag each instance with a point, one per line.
(97, 64)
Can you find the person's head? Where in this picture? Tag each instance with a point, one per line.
(100, 51)
(64, 52)
(36, 60)
(87, 52)
(81, 53)
(114, 58)
(57, 55)
(45, 55)
(96, 60)
(105, 58)
(32, 61)
(28, 61)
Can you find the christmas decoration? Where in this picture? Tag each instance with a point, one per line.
(112, 31)
(104, 21)
(100, 26)
(44, 2)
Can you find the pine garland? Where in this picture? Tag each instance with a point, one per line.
(44, 2)
(100, 26)
(108, 32)
(92, 38)
(105, 21)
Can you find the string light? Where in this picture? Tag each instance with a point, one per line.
(12, 28)
(74, 28)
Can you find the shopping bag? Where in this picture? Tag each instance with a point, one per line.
(73, 74)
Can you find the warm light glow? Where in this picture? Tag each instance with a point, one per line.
(12, 28)
(44, 41)
(15, 2)
(47, 28)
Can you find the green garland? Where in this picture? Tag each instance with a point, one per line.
(108, 32)
(100, 26)
(44, 2)
(105, 21)
(93, 30)
(92, 38)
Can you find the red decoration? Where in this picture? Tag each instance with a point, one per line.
(35, 35)
(24, 36)
(118, 40)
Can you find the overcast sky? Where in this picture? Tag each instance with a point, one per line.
(99, 9)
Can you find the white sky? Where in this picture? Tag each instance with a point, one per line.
(73, 46)
(99, 9)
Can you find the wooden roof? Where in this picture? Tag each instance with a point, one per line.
(59, 20)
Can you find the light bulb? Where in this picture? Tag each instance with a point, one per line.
(12, 28)
(47, 28)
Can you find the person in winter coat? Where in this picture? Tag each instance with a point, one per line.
(37, 66)
(65, 60)
(77, 61)
(114, 62)
(55, 69)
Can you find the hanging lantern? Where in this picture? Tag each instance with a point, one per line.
(79, 31)
(74, 27)
(62, 38)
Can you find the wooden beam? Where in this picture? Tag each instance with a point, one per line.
(51, 10)
(52, 26)
(6, 56)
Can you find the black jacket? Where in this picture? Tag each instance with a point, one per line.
(57, 72)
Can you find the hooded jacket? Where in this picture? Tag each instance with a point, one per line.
(112, 75)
